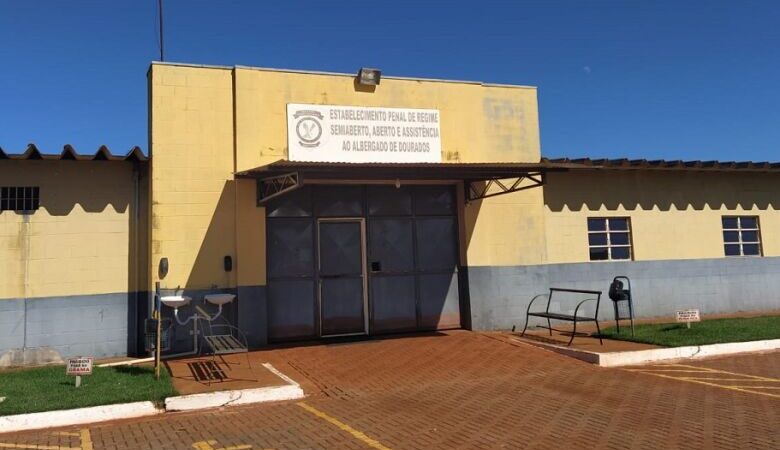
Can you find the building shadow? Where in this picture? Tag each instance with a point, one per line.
(208, 270)
(660, 190)
(92, 185)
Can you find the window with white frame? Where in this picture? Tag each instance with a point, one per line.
(741, 236)
(609, 238)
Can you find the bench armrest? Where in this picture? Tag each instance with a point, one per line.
(534, 299)
(596, 316)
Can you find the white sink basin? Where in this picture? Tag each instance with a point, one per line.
(175, 301)
(219, 299)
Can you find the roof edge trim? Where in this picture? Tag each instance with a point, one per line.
(69, 153)
(340, 74)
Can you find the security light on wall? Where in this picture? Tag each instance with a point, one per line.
(369, 77)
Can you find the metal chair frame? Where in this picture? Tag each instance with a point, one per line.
(222, 338)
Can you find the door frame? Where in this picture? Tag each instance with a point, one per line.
(364, 273)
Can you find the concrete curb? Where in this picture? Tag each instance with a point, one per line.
(631, 358)
(68, 417)
(290, 391)
(230, 398)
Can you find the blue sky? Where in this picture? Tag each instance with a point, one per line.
(664, 79)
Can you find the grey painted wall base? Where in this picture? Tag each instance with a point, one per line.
(499, 296)
(89, 325)
(40, 330)
(39, 356)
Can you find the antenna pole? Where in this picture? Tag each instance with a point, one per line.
(160, 10)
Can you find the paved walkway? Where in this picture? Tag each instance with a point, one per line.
(462, 391)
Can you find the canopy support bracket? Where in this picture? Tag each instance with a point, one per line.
(271, 187)
(479, 189)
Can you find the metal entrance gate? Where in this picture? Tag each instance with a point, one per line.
(407, 275)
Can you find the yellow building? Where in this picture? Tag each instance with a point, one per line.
(287, 172)
(401, 230)
(334, 204)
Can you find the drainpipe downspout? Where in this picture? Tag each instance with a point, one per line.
(26, 231)
(136, 263)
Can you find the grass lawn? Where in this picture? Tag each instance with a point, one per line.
(48, 388)
(713, 331)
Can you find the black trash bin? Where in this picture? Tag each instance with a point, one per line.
(150, 334)
(620, 294)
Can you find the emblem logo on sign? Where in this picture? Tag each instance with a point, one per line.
(308, 128)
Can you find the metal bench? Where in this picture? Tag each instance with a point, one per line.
(575, 318)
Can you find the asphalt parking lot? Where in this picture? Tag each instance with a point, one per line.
(463, 390)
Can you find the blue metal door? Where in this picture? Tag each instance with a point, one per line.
(342, 280)
(413, 258)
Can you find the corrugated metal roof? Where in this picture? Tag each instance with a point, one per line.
(439, 170)
(69, 153)
(422, 171)
(662, 164)
(321, 164)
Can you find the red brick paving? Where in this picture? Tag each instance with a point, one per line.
(469, 391)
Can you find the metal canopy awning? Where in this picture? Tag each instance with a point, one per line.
(481, 180)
